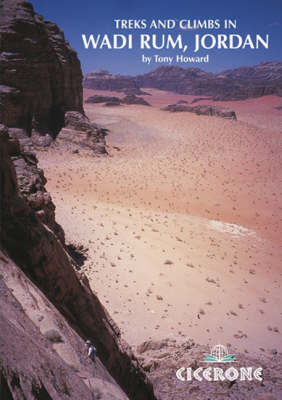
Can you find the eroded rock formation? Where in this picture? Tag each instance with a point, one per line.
(102, 99)
(112, 100)
(32, 239)
(40, 74)
(80, 133)
(164, 357)
(41, 92)
(203, 110)
(41, 356)
(133, 99)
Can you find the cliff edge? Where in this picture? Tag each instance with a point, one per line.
(40, 78)
(47, 306)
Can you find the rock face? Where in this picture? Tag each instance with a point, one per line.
(33, 241)
(203, 110)
(237, 84)
(41, 355)
(40, 74)
(41, 92)
(103, 80)
(80, 133)
(163, 358)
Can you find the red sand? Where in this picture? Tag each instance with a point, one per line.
(183, 223)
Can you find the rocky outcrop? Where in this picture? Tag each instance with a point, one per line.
(102, 99)
(112, 100)
(203, 110)
(27, 237)
(40, 74)
(103, 80)
(80, 133)
(241, 83)
(30, 179)
(41, 356)
(132, 99)
(41, 92)
(164, 357)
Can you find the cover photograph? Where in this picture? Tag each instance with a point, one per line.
(140, 200)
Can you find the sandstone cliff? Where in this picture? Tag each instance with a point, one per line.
(41, 356)
(40, 74)
(32, 239)
(47, 307)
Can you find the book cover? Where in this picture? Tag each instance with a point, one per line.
(140, 200)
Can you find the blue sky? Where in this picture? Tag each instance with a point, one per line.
(91, 16)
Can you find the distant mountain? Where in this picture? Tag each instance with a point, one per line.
(103, 80)
(176, 79)
(235, 84)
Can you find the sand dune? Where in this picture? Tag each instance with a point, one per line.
(182, 221)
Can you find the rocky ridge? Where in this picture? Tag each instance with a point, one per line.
(237, 84)
(103, 80)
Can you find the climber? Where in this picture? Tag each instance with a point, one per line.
(91, 350)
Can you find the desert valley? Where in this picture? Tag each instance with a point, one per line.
(182, 221)
(143, 213)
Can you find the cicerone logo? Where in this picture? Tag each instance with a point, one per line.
(219, 354)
